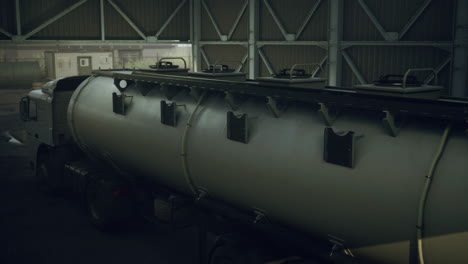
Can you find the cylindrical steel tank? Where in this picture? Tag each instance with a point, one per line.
(281, 171)
(19, 73)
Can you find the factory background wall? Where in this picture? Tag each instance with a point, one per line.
(413, 34)
(355, 41)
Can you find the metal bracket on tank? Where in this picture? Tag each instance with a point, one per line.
(328, 117)
(339, 147)
(274, 107)
(234, 100)
(119, 104)
(121, 84)
(389, 123)
(169, 91)
(145, 87)
(168, 114)
(237, 129)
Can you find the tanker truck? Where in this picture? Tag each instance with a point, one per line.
(368, 174)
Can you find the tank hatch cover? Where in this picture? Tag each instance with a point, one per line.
(294, 74)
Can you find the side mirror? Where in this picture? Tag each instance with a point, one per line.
(24, 108)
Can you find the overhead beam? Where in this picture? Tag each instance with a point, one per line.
(295, 43)
(217, 42)
(373, 18)
(6, 33)
(414, 18)
(103, 26)
(398, 43)
(169, 19)
(18, 18)
(129, 21)
(238, 18)
(213, 21)
(308, 18)
(354, 68)
(254, 25)
(53, 19)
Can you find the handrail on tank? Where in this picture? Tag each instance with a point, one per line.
(304, 64)
(419, 69)
(173, 58)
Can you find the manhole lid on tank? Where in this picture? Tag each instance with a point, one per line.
(297, 78)
(403, 86)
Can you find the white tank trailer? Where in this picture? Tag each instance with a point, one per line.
(383, 178)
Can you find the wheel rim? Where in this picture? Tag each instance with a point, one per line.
(94, 198)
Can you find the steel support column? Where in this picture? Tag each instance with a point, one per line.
(254, 20)
(460, 51)
(18, 18)
(335, 27)
(196, 34)
(103, 26)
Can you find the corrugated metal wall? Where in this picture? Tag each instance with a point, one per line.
(292, 55)
(7, 18)
(292, 14)
(224, 13)
(435, 24)
(230, 55)
(376, 61)
(84, 21)
(149, 16)
(81, 23)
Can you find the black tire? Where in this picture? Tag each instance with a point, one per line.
(50, 172)
(235, 251)
(50, 169)
(108, 203)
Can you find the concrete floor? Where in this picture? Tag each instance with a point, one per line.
(36, 228)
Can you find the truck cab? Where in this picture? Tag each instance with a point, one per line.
(44, 113)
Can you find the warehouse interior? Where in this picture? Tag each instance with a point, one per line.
(345, 43)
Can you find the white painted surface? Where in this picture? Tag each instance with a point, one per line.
(66, 64)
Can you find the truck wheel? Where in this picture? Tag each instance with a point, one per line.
(234, 251)
(50, 170)
(108, 203)
(50, 176)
